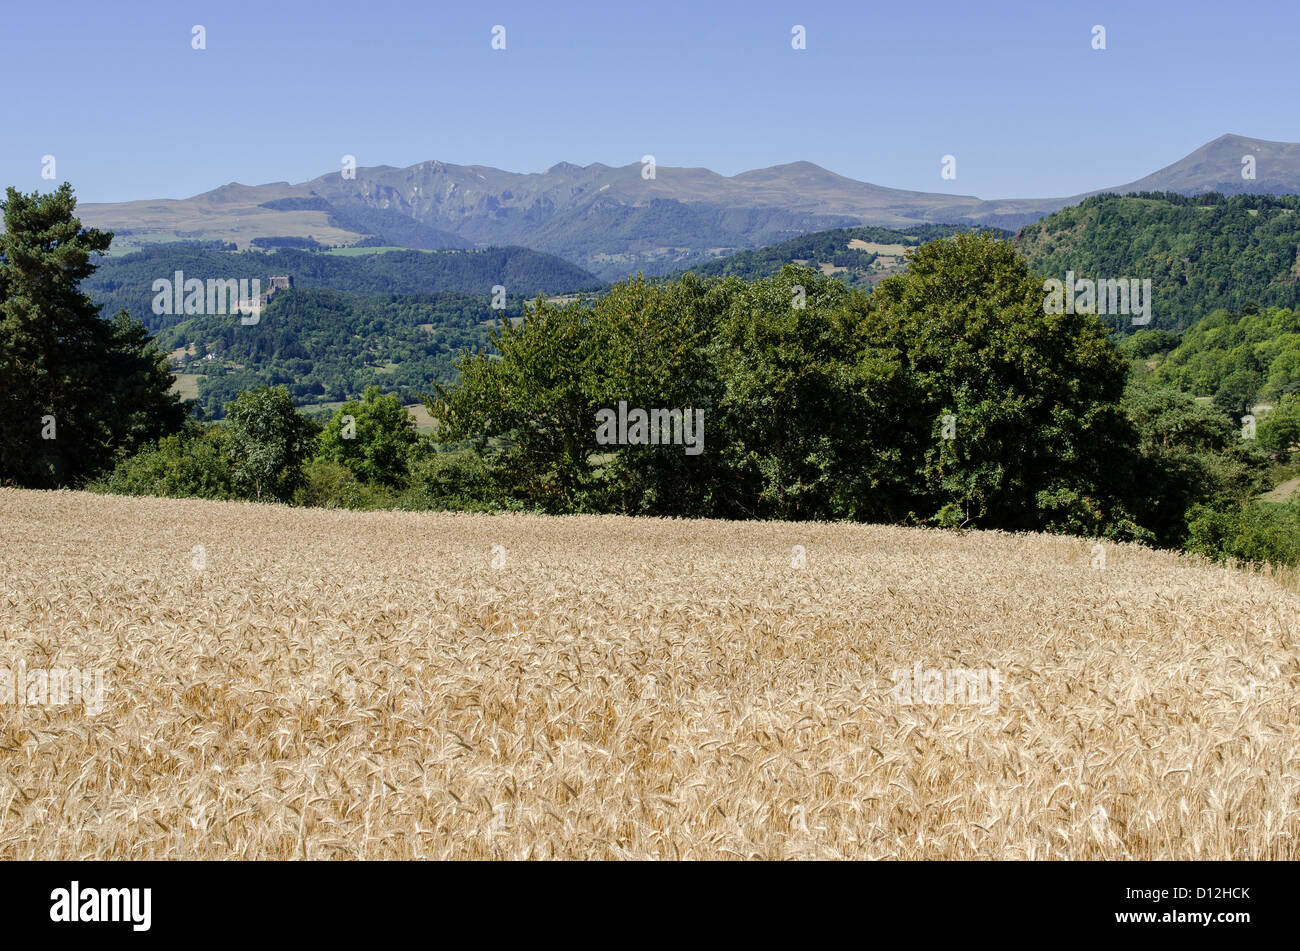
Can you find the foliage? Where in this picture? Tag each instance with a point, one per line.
(329, 484)
(374, 438)
(1279, 433)
(535, 396)
(830, 249)
(1201, 253)
(128, 281)
(76, 392)
(802, 409)
(269, 441)
(1188, 455)
(457, 480)
(1147, 343)
(832, 409)
(1259, 533)
(327, 345)
(1238, 359)
(1039, 438)
(287, 241)
(190, 464)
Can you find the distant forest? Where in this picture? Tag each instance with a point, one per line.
(127, 282)
(1202, 253)
(830, 248)
(326, 345)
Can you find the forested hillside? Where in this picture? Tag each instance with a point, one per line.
(1264, 345)
(326, 345)
(127, 282)
(1201, 254)
(857, 256)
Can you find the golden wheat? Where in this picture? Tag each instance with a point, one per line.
(323, 684)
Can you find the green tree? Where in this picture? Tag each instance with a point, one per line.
(375, 438)
(534, 398)
(538, 399)
(268, 441)
(649, 348)
(1255, 532)
(1236, 395)
(76, 391)
(807, 423)
(1038, 439)
(1147, 343)
(1280, 431)
(1188, 456)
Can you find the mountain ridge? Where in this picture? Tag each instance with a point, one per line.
(616, 220)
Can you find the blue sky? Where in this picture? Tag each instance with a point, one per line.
(1013, 89)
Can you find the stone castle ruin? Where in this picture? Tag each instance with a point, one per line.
(275, 284)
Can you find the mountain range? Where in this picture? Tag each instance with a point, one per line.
(615, 221)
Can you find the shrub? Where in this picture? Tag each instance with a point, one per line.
(329, 484)
(1259, 532)
(269, 441)
(376, 438)
(459, 480)
(194, 464)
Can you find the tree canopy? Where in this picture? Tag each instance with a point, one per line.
(77, 392)
(948, 392)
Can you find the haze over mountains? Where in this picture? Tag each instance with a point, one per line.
(614, 221)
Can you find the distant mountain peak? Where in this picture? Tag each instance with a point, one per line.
(803, 166)
(1221, 165)
(789, 168)
(1229, 138)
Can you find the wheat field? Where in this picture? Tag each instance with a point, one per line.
(292, 683)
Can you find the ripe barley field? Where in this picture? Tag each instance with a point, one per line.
(289, 683)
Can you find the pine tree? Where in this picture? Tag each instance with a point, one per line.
(76, 391)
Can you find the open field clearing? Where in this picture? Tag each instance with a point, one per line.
(423, 421)
(187, 385)
(323, 684)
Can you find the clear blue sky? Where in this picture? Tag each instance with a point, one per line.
(1013, 89)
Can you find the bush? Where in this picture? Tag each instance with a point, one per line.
(191, 465)
(331, 485)
(268, 441)
(1259, 533)
(1279, 433)
(375, 438)
(1147, 343)
(459, 480)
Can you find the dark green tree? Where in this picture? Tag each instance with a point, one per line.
(1236, 395)
(1035, 435)
(535, 399)
(807, 422)
(1279, 433)
(193, 464)
(1187, 457)
(77, 392)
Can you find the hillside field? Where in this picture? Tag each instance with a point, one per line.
(297, 683)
